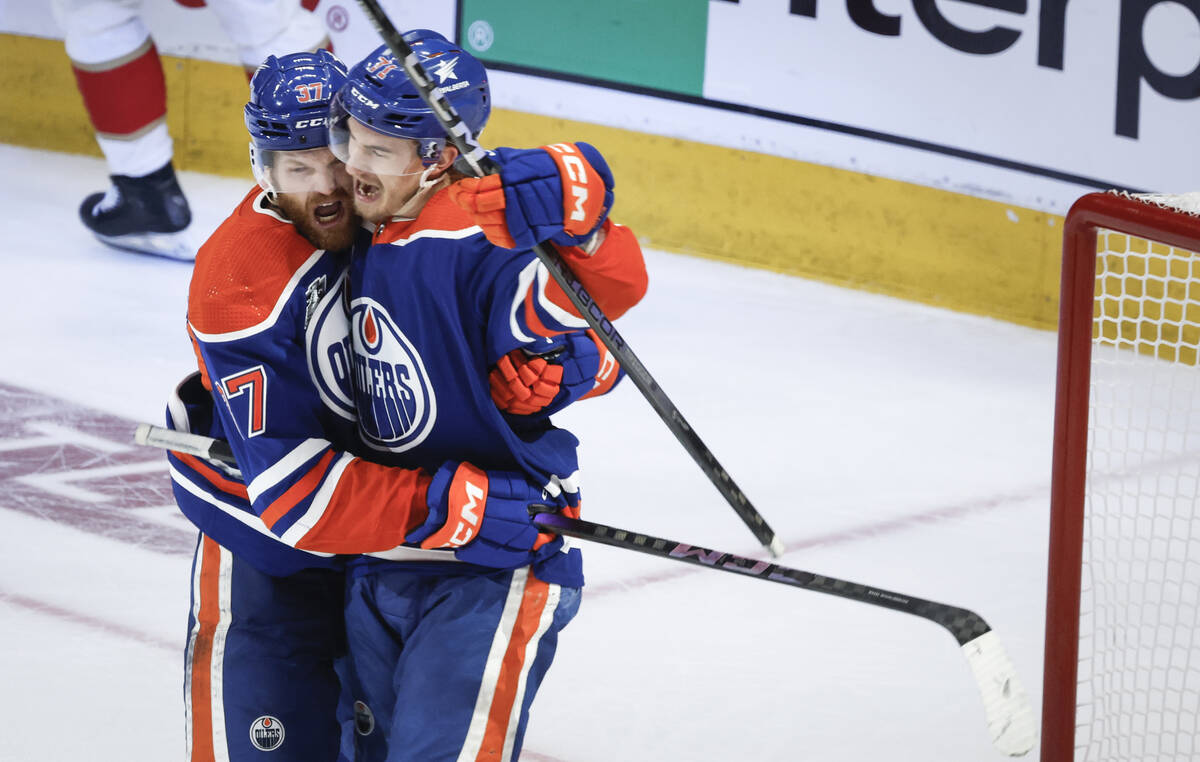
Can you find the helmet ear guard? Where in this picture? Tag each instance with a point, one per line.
(430, 150)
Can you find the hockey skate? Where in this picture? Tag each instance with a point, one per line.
(147, 215)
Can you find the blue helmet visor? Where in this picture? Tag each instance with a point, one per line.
(368, 150)
(314, 170)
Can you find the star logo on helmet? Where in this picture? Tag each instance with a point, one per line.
(445, 70)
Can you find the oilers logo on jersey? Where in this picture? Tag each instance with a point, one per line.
(266, 733)
(396, 404)
(330, 361)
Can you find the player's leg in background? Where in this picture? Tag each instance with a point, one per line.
(261, 28)
(121, 80)
(474, 652)
(260, 661)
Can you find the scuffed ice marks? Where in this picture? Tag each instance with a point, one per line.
(76, 466)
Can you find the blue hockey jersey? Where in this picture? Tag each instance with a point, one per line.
(256, 289)
(433, 306)
(309, 381)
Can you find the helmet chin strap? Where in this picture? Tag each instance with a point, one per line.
(425, 188)
(425, 183)
(265, 184)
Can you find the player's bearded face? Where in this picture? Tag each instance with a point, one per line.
(386, 172)
(315, 194)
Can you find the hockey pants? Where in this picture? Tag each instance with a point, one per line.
(447, 666)
(259, 675)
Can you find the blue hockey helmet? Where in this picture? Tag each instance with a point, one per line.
(289, 108)
(289, 100)
(379, 95)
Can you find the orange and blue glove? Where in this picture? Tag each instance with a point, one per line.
(560, 193)
(484, 516)
(576, 366)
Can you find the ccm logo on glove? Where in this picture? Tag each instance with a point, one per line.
(466, 500)
(571, 165)
(579, 216)
(560, 193)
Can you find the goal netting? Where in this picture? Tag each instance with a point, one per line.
(1122, 678)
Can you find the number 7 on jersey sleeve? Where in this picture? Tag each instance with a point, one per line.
(253, 383)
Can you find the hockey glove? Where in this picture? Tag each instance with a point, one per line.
(578, 366)
(483, 515)
(560, 193)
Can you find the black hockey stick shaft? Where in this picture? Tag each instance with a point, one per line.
(963, 624)
(482, 164)
(1009, 716)
(1010, 719)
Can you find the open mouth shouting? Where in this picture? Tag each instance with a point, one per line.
(329, 214)
(326, 220)
(365, 192)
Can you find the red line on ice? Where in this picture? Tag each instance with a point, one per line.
(85, 620)
(853, 534)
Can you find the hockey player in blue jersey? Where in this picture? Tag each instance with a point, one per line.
(450, 651)
(267, 590)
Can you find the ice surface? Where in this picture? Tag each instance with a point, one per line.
(887, 443)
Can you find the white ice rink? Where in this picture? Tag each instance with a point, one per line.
(887, 443)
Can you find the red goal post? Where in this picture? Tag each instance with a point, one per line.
(1121, 675)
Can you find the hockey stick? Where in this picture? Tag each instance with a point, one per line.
(482, 164)
(185, 442)
(1009, 716)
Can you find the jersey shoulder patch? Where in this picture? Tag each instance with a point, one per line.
(244, 269)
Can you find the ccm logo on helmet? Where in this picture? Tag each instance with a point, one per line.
(364, 100)
(317, 122)
(576, 174)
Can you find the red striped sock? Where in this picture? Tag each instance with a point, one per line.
(125, 95)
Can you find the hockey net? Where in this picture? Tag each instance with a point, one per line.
(1122, 671)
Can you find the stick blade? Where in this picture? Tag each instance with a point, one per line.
(775, 547)
(1010, 718)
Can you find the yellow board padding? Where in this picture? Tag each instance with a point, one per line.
(1147, 298)
(204, 102)
(890, 237)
